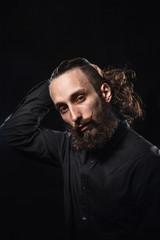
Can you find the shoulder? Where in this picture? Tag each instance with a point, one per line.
(141, 148)
(145, 165)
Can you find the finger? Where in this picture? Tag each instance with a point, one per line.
(99, 70)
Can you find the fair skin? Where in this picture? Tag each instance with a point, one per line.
(76, 99)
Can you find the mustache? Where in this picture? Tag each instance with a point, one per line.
(80, 123)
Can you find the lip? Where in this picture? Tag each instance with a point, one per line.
(83, 127)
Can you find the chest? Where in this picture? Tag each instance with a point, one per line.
(103, 185)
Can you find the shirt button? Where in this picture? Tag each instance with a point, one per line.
(84, 218)
(92, 161)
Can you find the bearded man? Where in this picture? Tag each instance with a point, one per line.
(111, 174)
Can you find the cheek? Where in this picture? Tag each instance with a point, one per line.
(91, 109)
(96, 108)
(86, 111)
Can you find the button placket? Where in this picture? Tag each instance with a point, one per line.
(84, 198)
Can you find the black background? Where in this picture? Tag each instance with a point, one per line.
(35, 37)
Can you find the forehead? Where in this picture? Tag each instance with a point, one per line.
(66, 84)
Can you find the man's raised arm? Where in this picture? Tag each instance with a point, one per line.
(21, 129)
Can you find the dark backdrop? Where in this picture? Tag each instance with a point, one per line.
(35, 37)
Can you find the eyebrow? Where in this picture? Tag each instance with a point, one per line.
(72, 97)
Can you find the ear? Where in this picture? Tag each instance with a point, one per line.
(106, 92)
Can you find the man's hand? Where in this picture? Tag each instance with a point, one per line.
(99, 70)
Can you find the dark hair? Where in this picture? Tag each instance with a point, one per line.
(125, 101)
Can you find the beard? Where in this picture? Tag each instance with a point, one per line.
(99, 131)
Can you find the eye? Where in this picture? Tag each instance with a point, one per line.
(63, 109)
(80, 99)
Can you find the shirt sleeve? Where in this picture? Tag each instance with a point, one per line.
(21, 129)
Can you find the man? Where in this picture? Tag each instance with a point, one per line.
(111, 174)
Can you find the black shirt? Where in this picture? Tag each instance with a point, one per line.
(110, 194)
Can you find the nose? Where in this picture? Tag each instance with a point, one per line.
(75, 114)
